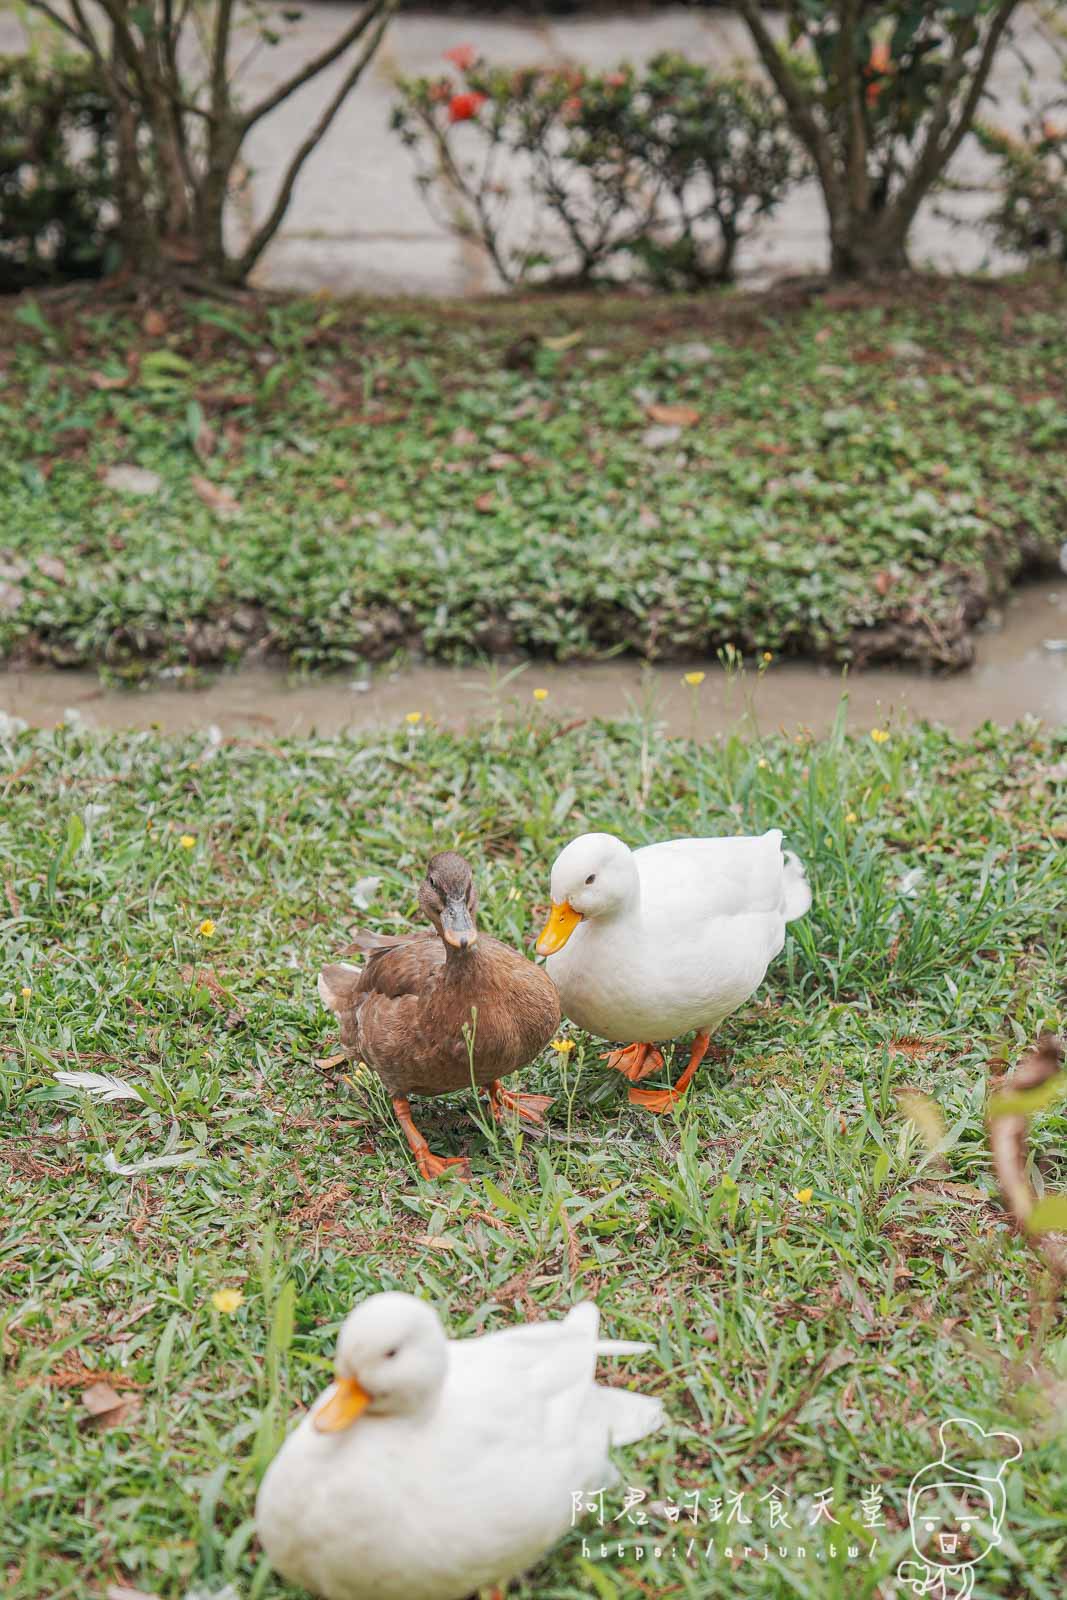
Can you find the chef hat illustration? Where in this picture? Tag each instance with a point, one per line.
(971, 1458)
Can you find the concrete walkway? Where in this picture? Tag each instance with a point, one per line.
(358, 223)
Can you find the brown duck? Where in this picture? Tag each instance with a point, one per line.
(432, 1011)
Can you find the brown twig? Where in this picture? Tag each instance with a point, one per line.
(1007, 1141)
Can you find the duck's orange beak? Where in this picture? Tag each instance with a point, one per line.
(348, 1401)
(562, 921)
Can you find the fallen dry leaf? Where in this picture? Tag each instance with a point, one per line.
(672, 416)
(154, 324)
(75, 1377)
(563, 341)
(485, 502)
(437, 1241)
(128, 479)
(122, 1591)
(214, 495)
(660, 437)
(954, 1191)
(52, 567)
(909, 1045)
(105, 380)
(205, 441)
(105, 1407)
(328, 1063)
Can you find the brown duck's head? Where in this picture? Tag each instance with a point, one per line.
(448, 897)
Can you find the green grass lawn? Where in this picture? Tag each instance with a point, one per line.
(855, 476)
(800, 1344)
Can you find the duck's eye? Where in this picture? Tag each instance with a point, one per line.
(389, 1354)
(591, 878)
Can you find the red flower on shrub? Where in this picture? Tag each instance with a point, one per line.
(462, 56)
(615, 80)
(571, 107)
(462, 107)
(878, 68)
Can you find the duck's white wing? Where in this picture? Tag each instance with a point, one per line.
(721, 878)
(541, 1377)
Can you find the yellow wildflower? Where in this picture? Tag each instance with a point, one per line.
(804, 1196)
(540, 694)
(763, 762)
(694, 679)
(227, 1300)
(767, 656)
(206, 928)
(26, 991)
(880, 735)
(187, 841)
(851, 817)
(414, 718)
(564, 1046)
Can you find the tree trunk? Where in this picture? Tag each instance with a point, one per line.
(137, 232)
(863, 245)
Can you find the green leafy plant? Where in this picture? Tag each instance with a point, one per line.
(881, 96)
(669, 166)
(57, 166)
(168, 77)
(1031, 213)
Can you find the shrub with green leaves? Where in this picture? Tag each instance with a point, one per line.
(663, 169)
(56, 171)
(1031, 213)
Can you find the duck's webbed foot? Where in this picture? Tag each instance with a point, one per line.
(660, 1100)
(637, 1061)
(531, 1107)
(429, 1165)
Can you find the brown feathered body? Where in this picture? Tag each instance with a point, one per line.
(408, 1010)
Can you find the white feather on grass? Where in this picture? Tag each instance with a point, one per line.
(102, 1086)
(130, 1169)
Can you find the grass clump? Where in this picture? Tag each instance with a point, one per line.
(820, 1285)
(856, 477)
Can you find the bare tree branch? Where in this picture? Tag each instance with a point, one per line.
(262, 237)
(856, 134)
(938, 151)
(997, 29)
(220, 44)
(797, 104)
(87, 40)
(319, 63)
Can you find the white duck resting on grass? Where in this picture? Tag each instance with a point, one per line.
(433, 1466)
(645, 945)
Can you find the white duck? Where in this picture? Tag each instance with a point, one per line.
(647, 944)
(433, 1467)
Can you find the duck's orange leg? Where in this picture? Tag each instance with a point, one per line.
(429, 1165)
(637, 1061)
(530, 1106)
(659, 1100)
